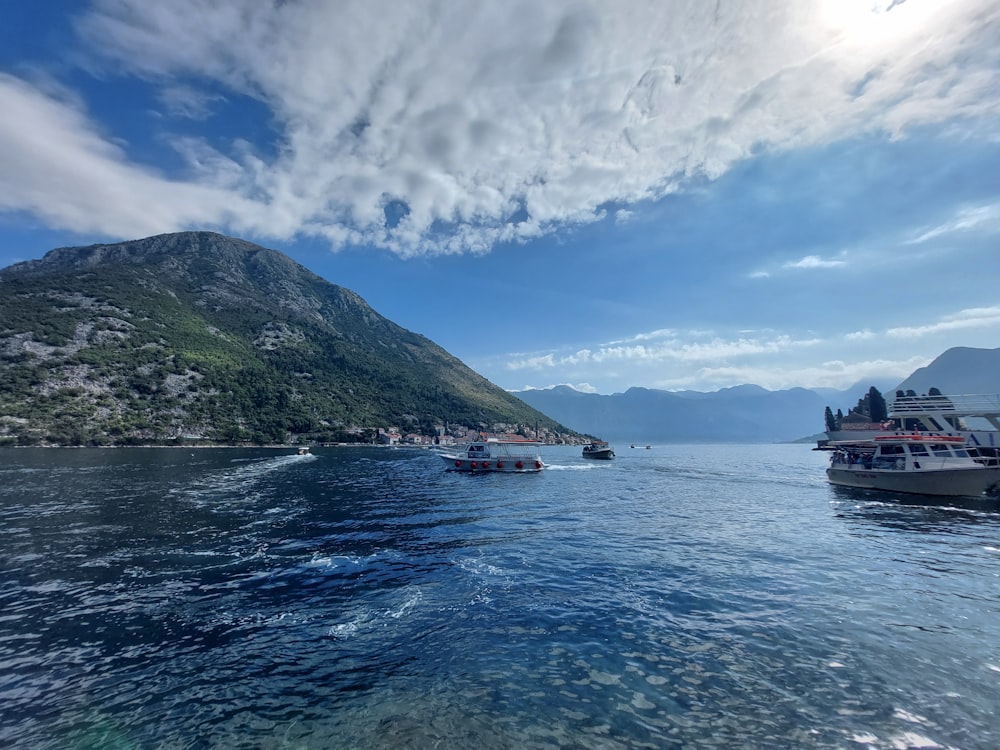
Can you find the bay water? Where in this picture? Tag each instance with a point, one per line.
(703, 596)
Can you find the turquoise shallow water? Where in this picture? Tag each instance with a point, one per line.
(684, 596)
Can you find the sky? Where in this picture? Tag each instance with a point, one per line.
(673, 194)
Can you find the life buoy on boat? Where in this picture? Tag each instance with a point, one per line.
(473, 464)
(486, 464)
(518, 465)
(538, 464)
(458, 463)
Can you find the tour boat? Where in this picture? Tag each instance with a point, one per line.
(916, 463)
(496, 454)
(598, 449)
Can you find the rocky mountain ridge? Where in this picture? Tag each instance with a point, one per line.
(201, 335)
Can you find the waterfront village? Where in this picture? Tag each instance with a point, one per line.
(391, 436)
(447, 436)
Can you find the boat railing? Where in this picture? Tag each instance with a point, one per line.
(898, 463)
(961, 405)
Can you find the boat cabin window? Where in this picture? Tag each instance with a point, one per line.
(918, 449)
(476, 448)
(940, 449)
(891, 450)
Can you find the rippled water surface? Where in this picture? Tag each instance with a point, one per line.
(683, 596)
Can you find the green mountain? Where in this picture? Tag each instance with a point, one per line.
(201, 335)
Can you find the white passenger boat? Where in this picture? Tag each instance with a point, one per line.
(598, 449)
(496, 454)
(916, 463)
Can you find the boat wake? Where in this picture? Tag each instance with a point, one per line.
(367, 618)
(239, 480)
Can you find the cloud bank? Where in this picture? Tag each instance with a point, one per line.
(675, 359)
(448, 127)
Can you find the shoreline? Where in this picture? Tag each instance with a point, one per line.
(203, 446)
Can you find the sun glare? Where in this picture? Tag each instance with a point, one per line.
(872, 22)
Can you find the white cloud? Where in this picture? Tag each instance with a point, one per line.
(864, 335)
(581, 387)
(184, 101)
(532, 363)
(494, 121)
(704, 360)
(980, 317)
(967, 219)
(814, 261)
(57, 165)
(832, 374)
(671, 350)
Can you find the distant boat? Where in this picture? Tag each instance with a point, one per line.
(916, 463)
(598, 449)
(304, 452)
(495, 454)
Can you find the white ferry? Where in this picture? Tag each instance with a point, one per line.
(496, 454)
(916, 463)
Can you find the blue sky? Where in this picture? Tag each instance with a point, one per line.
(677, 195)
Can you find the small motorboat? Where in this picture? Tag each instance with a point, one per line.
(917, 463)
(598, 449)
(508, 455)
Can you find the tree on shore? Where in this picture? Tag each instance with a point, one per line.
(877, 409)
(831, 422)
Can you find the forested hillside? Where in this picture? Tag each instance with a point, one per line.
(204, 336)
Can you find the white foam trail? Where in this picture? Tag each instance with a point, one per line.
(341, 561)
(912, 741)
(367, 618)
(899, 713)
(242, 478)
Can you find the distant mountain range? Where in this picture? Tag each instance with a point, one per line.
(201, 335)
(748, 413)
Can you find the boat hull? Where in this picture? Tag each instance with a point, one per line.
(969, 482)
(601, 454)
(503, 466)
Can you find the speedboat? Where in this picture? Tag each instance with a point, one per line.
(496, 454)
(598, 449)
(916, 463)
